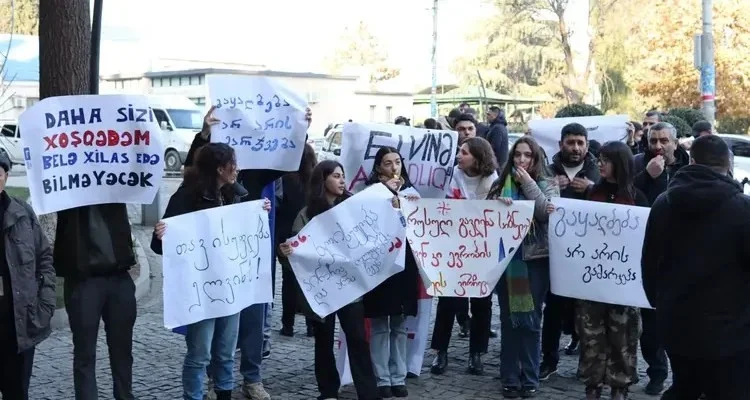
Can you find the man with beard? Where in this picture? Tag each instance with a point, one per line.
(700, 291)
(654, 170)
(576, 169)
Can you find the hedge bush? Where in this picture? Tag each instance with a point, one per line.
(683, 129)
(689, 115)
(578, 110)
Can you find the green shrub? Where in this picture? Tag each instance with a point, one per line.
(683, 129)
(578, 110)
(733, 125)
(690, 115)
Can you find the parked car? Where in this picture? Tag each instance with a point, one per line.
(331, 147)
(10, 142)
(740, 145)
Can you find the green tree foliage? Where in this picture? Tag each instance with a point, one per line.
(734, 125)
(690, 115)
(578, 110)
(514, 50)
(24, 19)
(683, 129)
(359, 48)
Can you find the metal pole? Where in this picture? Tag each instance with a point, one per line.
(96, 36)
(433, 91)
(708, 70)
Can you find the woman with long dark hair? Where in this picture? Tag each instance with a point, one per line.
(250, 185)
(472, 179)
(328, 189)
(524, 284)
(294, 188)
(609, 333)
(207, 184)
(392, 301)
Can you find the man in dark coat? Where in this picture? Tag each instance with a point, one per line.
(498, 135)
(654, 170)
(27, 290)
(576, 169)
(700, 287)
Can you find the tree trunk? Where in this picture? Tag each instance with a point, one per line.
(64, 47)
(64, 50)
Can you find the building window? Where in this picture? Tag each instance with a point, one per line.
(184, 80)
(31, 101)
(199, 101)
(372, 113)
(200, 79)
(193, 80)
(388, 114)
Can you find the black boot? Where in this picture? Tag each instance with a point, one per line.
(223, 395)
(475, 364)
(440, 362)
(465, 328)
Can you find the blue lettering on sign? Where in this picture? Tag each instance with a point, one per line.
(261, 143)
(266, 105)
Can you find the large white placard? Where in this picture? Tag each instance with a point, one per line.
(595, 251)
(463, 246)
(603, 129)
(348, 250)
(263, 119)
(429, 155)
(85, 150)
(216, 262)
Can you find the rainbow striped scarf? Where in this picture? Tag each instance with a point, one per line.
(520, 300)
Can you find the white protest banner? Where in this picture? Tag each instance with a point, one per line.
(463, 246)
(85, 150)
(261, 118)
(348, 250)
(428, 155)
(216, 262)
(595, 251)
(602, 129)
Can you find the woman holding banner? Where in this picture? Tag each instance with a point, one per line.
(209, 183)
(327, 189)
(609, 329)
(523, 287)
(472, 180)
(392, 301)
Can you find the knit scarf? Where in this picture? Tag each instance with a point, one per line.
(520, 300)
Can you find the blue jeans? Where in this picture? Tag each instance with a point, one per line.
(522, 345)
(210, 341)
(267, 323)
(251, 342)
(388, 350)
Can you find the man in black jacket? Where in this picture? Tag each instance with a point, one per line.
(498, 135)
(700, 287)
(27, 290)
(93, 252)
(654, 170)
(576, 169)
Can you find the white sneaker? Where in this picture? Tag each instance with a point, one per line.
(211, 392)
(255, 391)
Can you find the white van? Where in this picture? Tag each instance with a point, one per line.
(180, 119)
(10, 142)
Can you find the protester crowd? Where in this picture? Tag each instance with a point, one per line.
(695, 272)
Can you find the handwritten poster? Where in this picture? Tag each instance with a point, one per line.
(595, 251)
(85, 150)
(463, 246)
(428, 155)
(348, 250)
(602, 129)
(261, 118)
(216, 263)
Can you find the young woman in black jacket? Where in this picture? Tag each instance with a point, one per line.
(207, 185)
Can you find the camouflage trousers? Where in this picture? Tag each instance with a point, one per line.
(609, 343)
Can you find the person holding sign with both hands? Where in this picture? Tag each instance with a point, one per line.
(212, 341)
(523, 287)
(608, 329)
(392, 301)
(327, 189)
(471, 180)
